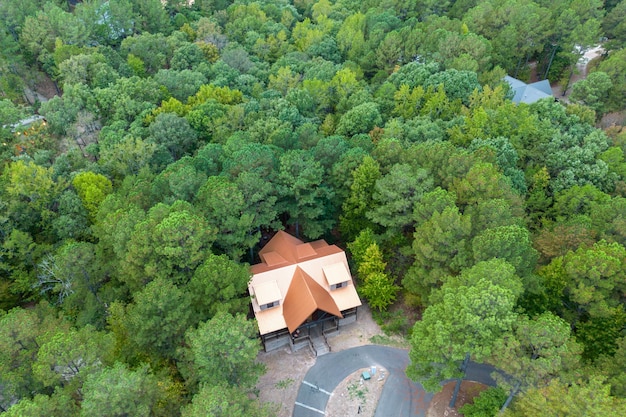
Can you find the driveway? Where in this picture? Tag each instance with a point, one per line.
(401, 397)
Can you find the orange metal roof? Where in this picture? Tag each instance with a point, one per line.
(267, 292)
(303, 298)
(283, 244)
(274, 259)
(336, 273)
(303, 273)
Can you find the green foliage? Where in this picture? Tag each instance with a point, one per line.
(119, 391)
(74, 354)
(170, 243)
(560, 398)
(354, 209)
(304, 196)
(157, 320)
(612, 366)
(31, 190)
(593, 91)
(363, 241)
(600, 336)
(226, 209)
(440, 249)
(219, 284)
(380, 290)
(370, 262)
(22, 331)
(468, 320)
(396, 322)
(224, 401)
(486, 404)
(593, 278)
(511, 243)
(223, 95)
(395, 195)
(537, 351)
(59, 404)
(92, 189)
(173, 133)
(613, 66)
(10, 113)
(497, 271)
(222, 350)
(178, 134)
(360, 119)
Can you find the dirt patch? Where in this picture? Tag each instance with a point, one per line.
(613, 119)
(286, 370)
(285, 373)
(45, 87)
(354, 395)
(439, 404)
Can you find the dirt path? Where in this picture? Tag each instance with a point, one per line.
(579, 74)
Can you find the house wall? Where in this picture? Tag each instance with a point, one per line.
(281, 338)
(349, 316)
(276, 340)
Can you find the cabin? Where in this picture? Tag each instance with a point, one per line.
(528, 93)
(300, 292)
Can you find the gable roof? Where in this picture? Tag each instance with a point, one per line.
(267, 292)
(336, 273)
(528, 93)
(285, 247)
(302, 275)
(303, 298)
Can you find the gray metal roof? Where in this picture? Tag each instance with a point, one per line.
(528, 93)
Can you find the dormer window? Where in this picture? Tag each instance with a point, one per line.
(267, 294)
(337, 275)
(339, 285)
(269, 305)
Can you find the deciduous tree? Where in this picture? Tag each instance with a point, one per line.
(581, 398)
(353, 218)
(92, 189)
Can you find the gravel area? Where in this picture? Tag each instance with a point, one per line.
(355, 396)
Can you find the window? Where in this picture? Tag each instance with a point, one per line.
(339, 285)
(269, 305)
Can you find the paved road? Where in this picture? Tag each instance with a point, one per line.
(401, 397)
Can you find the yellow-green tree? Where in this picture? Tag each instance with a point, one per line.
(92, 189)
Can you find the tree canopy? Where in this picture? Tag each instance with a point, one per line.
(148, 148)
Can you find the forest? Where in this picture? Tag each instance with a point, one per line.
(177, 134)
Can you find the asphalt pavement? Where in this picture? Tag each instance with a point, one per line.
(401, 397)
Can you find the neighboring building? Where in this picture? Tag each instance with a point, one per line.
(299, 290)
(528, 93)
